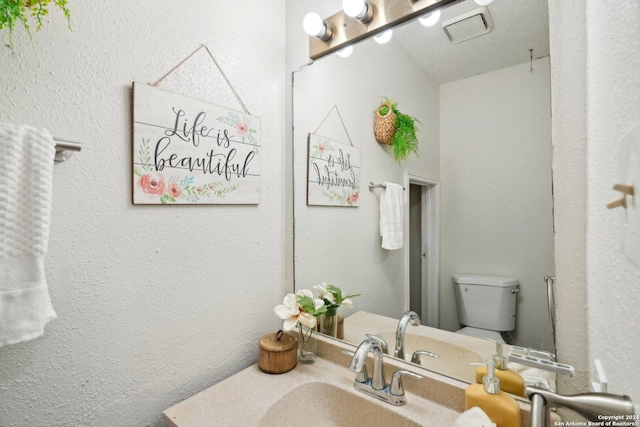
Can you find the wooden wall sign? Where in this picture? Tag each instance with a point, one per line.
(333, 173)
(187, 151)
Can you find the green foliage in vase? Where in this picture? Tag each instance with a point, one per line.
(14, 12)
(405, 140)
(333, 298)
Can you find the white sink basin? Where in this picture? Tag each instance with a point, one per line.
(324, 405)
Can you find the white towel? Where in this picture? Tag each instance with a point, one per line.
(27, 156)
(533, 376)
(392, 216)
(474, 417)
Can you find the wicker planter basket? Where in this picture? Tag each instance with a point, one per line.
(385, 126)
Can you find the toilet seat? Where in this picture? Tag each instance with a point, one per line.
(481, 333)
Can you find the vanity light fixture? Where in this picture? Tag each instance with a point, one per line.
(358, 9)
(384, 37)
(362, 19)
(316, 27)
(430, 19)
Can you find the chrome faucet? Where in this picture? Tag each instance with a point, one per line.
(407, 317)
(385, 346)
(591, 406)
(360, 357)
(376, 385)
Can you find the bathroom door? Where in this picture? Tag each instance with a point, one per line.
(423, 248)
(417, 252)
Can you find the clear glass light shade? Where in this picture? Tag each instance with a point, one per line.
(483, 2)
(383, 37)
(313, 25)
(431, 19)
(345, 52)
(354, 8)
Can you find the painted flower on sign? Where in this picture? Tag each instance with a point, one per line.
(242, 128)
(152, 183)
(320, 148)
(175, 190)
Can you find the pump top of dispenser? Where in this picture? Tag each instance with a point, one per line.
(499, 359)
(490, 382)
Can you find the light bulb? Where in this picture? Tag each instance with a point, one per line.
(313, 25)
(483, 2)
(345, 52)
(431, 19)
(355, 8)
(383, 37)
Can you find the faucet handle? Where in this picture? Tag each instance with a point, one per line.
(396, 381)
(385, 346)
(415, 358)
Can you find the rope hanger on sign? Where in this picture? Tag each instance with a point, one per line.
(202, 46)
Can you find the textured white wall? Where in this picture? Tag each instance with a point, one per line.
(341, 245)
(613, 281)
(596, 100)
(154, 303)
(495, 194)
(567, 27)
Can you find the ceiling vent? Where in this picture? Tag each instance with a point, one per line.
(468, 25)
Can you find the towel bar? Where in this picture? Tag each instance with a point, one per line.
(372, 186)
(63, 146)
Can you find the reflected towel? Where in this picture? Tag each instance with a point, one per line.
(533, 376)
(25, 307)
(474, 417)
(392, 216)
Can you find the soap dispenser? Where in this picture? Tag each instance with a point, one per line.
(501, 408)
(510, 381)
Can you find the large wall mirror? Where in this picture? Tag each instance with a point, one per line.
(479, 195)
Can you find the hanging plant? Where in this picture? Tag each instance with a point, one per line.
(397, 129)
(13, 12)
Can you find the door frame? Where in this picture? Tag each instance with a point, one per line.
(431, 240)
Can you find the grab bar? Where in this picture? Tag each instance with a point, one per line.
(551, 280)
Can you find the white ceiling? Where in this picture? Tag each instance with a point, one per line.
(518, 25)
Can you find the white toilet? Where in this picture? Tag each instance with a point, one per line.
(486, 304)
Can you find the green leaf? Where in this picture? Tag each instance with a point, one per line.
(166, 198)
(137, 171)
(15, 11)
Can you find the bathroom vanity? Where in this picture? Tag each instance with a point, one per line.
(322, 394)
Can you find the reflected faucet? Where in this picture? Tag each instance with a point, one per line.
(415, 358)
(591, 406)
(407, 317)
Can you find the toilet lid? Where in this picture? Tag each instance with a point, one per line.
(481, 333)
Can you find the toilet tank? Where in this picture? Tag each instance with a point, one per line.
(486, 302)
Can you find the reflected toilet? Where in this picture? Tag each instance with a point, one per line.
(486, 304)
